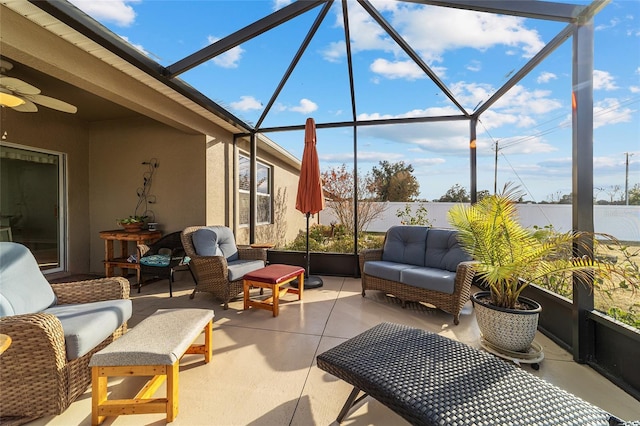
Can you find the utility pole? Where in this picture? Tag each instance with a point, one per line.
(626, 179)
(495, 172)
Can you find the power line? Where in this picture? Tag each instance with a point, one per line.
(523, 139)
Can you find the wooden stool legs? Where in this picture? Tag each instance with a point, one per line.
(272, 303)
(142, 403)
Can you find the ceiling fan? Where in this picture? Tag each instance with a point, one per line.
(22, 96)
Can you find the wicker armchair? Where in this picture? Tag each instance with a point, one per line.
(217, 274)
(162, 257)
(36, 378)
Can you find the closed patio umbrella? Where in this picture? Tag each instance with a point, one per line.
(310, 199)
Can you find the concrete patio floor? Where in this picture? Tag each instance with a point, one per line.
(263, 370)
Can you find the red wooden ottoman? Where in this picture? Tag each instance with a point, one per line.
(273, 277)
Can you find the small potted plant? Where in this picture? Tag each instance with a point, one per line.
(132, 223)
(510, 257)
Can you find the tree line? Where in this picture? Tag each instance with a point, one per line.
(395, 182)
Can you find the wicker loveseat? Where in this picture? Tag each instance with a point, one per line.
(55, 329)
(422, 264)
(217, 263)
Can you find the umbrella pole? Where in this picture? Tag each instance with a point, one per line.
(308, 257)
(309, 280)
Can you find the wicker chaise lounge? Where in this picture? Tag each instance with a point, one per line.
(420, 264)
(432, 380)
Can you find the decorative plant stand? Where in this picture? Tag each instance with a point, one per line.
(533, 356)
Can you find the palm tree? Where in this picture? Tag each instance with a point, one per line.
(510, 257)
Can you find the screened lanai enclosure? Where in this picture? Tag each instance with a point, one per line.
(400, 82)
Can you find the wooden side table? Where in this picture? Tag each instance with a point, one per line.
(124, 237)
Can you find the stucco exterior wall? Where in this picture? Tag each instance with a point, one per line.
(65, 134)
(287, 221)
(118, 149)
(219, 181)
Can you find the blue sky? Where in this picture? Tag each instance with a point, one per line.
(472, 53)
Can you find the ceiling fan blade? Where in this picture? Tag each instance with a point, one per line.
(27, 106)
(52, 103)
(5, 65)
(19, 86)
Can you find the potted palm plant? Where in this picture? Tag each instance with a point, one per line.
(510, 257)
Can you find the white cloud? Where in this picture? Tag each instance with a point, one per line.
(137, 46)
(304, 107)
(363, 157)
(228, 59)
(634, 89)
(246, 103)
(612, 23)
(365, 33)
(546, 77)
(523, 101)
(399, 69)
(609, 111)
(444, 137)
(434, 30)
(525, 144)
(117, 11)
(279, 4)
(518, 100)
(474, 66)
(334, 51)
(602, 80)
(426, 162)
(431, 31)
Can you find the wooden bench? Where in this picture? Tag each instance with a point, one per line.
(273, 277)
(152, 348)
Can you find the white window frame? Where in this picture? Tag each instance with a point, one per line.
(265, 196)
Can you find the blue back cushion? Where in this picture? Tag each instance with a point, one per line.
(443, 250)
(405, 244)
(226, 242)
(23, 288)
(215, 241)
(205, 241)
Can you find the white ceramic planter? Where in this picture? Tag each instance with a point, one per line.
(510, 329)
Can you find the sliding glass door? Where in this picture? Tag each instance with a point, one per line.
(32, 202)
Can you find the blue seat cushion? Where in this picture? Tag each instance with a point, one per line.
(239, 268)
(86, 325)
(156, 260)
(429, 278)
(386, 270)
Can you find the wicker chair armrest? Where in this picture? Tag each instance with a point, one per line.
(209, 267)
(91, 290)
(368, 254)
(464, 276)
(37, 343)
(250, 253)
